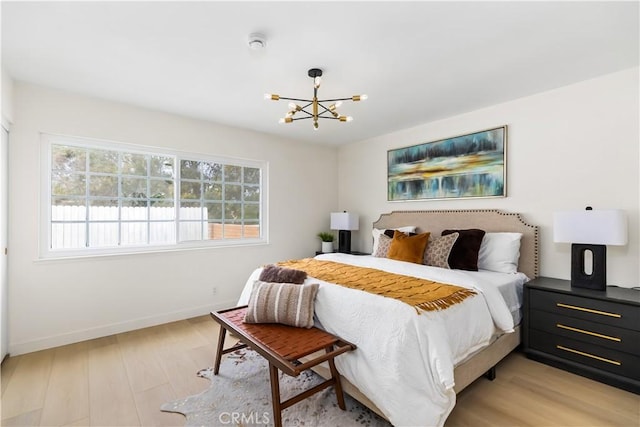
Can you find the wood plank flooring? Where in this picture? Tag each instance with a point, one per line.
(123, 379)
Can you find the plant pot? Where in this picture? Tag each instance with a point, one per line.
(327, 247)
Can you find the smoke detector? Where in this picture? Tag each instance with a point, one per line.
(257, 41)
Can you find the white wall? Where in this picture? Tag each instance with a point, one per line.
(6, 116)
(63, 301)
(567, 148)
(6, 88)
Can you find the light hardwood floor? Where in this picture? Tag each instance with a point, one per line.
(123, 380)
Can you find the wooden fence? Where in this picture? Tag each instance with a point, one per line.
(133, 227)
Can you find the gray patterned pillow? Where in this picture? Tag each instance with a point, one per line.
(438, 249)
(286, 303)
(384, 243)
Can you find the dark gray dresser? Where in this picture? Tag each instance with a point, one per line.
(591, 333)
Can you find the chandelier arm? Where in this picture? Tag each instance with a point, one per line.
(332, 100)
(325, 117)
(298, 99)
(311, 117)
(306, 112)
(326, 110)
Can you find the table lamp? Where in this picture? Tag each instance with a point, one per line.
(345, 222)
(589, 231)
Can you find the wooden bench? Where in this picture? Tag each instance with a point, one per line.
(283, 346)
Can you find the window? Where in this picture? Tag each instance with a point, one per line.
(223, 201)
(108, 198)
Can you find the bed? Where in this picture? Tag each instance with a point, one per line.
(401, 372)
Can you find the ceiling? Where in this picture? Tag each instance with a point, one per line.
(417, 61)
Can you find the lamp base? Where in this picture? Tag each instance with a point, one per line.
(597, 280)
(344, 241)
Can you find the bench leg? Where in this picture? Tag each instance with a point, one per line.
(275, 396)
(336, 378)
(221, 335)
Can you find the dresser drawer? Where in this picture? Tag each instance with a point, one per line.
(594, 310)
(604, 335)
(619, 363)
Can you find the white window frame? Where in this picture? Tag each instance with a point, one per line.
(45, 250)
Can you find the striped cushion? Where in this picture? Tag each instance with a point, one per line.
(285, 303)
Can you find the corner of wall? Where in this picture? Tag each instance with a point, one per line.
(6, 88)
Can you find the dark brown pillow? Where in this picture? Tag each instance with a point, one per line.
(274, 274)
(464, 254)
(390, 233)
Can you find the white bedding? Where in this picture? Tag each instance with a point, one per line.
(404, 362)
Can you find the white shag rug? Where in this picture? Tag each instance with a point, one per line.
(240, 395)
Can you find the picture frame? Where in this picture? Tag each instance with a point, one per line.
(472, 165)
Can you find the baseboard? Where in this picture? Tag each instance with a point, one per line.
(114, 328)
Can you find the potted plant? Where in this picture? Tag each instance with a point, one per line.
(327, 241)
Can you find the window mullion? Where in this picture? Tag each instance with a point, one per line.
(87, 185)
(119, 181)
(242, 203)
(177, 185)
(202, 218)
(223, 202)
(147, 159)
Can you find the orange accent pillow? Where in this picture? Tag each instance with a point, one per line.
(408, 248)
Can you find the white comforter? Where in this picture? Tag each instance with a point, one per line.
(404, 362)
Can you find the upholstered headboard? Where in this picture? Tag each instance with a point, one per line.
(490, 220)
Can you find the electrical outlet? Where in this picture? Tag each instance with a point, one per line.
(214, 291)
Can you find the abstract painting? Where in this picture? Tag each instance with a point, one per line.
(472, 165)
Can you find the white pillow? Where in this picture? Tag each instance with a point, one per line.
(376, 232)
(500, 252)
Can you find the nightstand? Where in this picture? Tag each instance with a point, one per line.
(351, 253)
(591, 333)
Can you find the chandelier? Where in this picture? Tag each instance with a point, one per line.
(314, 108)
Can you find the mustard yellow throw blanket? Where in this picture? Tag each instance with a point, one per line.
(420, 293)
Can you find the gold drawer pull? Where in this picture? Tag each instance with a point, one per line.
(582, 331)
(573, 307)
(581, 353)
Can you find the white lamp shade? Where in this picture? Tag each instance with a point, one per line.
(344, 221)
(596, 227)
